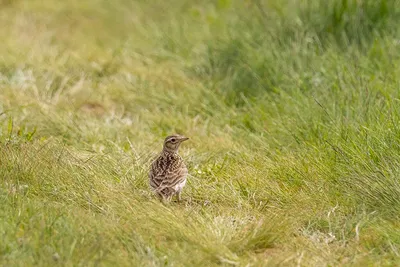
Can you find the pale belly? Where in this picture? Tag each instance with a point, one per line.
(178, 187)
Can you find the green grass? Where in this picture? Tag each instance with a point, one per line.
(292, 109)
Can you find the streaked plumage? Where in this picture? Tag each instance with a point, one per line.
(168, 172)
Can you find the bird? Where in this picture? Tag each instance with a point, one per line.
(168, 172)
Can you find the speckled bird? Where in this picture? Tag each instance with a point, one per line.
(168, 172)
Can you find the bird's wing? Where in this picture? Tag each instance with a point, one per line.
(156, 174)
(174, 176)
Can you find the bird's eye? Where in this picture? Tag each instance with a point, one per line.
(173, 140)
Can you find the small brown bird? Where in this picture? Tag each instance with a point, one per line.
(168, 172)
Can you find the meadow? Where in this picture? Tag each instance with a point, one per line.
(292, 108)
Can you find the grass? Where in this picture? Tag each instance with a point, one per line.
(291, 107)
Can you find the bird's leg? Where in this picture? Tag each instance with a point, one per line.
(161, 198)
(178, 196)
(168, 198)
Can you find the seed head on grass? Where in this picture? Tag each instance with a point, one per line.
(168, 172)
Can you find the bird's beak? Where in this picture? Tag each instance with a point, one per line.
(184, 139)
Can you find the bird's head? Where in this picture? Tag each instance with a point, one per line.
(172, 142)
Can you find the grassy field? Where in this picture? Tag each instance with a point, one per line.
(292, 108)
